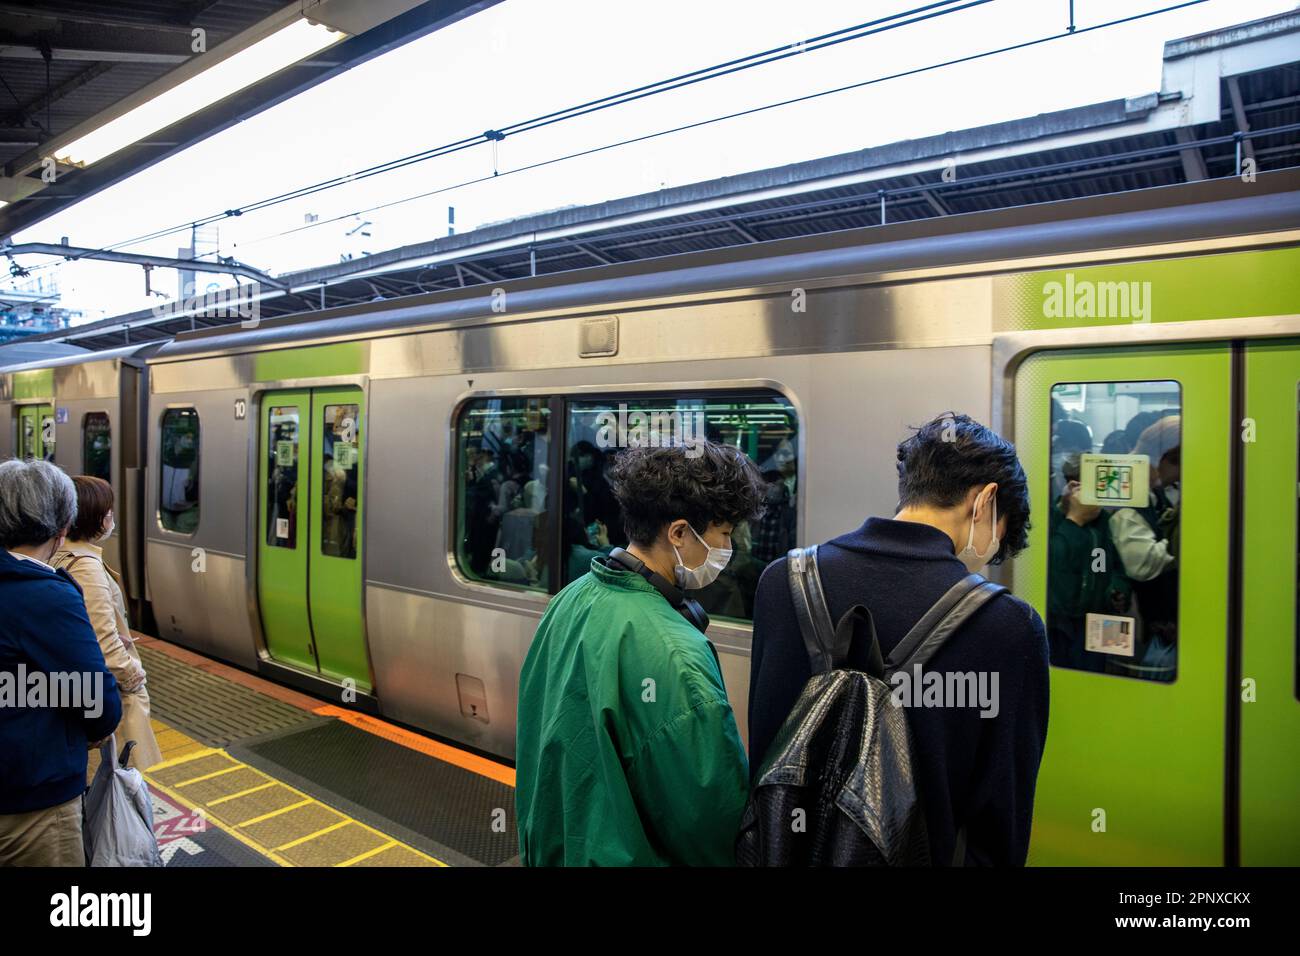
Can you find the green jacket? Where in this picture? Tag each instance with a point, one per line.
(628, 752)
(1074, 589)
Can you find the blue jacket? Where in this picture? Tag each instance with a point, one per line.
(44, 630)
(972, 770)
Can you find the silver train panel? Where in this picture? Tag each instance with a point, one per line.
(223, 470)
(207, 611)
(427, 624)
(427, 652)
(68, 451)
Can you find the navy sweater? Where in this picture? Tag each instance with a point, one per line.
(971, 770)
(45, 629)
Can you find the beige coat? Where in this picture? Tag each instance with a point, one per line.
(107, 611)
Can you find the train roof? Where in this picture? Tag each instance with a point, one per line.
(968, 243)
(80, 357)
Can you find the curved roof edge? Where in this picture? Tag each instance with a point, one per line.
(1168, 214)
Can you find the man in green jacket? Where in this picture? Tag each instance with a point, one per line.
(627, 751)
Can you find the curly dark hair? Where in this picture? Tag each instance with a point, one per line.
(950, 454)
(656, 486)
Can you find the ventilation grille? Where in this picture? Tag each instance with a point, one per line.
(598, 337)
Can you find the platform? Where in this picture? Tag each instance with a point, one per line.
(255, 774)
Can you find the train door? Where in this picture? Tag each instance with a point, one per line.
(1128, 453)
(1270, 706)
(36, 432)
(310, 532)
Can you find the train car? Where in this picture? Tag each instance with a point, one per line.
(376, 503)
(83, 412)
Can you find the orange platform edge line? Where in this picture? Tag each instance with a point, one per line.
(484, 766)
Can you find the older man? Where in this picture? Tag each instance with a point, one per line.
(57, 696)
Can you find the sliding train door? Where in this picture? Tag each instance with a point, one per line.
(36, 432)
(309, 532)
(1270, 692)
(1128, 454)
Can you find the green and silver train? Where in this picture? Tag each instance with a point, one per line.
(376, 503)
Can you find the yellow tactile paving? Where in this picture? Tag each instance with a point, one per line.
(281, 823)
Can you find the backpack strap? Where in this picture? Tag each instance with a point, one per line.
(959, 849)
(810, 608)
(826, 642)
(939, 623)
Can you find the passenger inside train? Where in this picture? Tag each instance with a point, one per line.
(1112, 567)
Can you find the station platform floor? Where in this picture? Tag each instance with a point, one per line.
(255, 774)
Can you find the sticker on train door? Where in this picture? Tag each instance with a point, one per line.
(1115, 481)
(345, 454)
(1106, 634)
(282, 528)
(284, 454)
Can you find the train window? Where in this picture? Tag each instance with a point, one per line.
(502, 529)
(339, 489)
(282, 478)
(27, 436)
(96, 445)
(1113, 528)
(178, 494)
(48, 432)
(763, 425)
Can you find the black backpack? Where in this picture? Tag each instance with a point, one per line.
(838, 786)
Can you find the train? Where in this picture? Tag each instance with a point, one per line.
(375, 503)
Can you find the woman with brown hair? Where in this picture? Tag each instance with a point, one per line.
(101, 589)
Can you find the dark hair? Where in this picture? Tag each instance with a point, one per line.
(1116, 443)
(94, 502)
(1137, 425)
(705, 484)
(949, 455)
(1069, 434)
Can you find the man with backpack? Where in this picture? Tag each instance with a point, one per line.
(844, 775)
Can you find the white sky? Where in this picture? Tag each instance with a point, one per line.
(519, 59)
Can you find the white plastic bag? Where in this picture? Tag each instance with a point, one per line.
(117, 820)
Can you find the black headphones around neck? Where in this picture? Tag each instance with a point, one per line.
(688, 608)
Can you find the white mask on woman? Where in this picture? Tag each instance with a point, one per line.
(973, 560)
(107, 531)
(692, 579)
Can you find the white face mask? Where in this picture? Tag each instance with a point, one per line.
(107, 531)
(692, 579)
(968, 556)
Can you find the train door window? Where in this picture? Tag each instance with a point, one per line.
(97, 445)
(763, 425)
(27, 433)
(502, 525)
(178, 492)
(48, 433)
(282, 477)
(1113, 528)
(341, 431)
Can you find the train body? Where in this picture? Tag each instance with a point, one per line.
(377, 503)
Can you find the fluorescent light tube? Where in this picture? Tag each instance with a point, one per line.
(271, 54)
